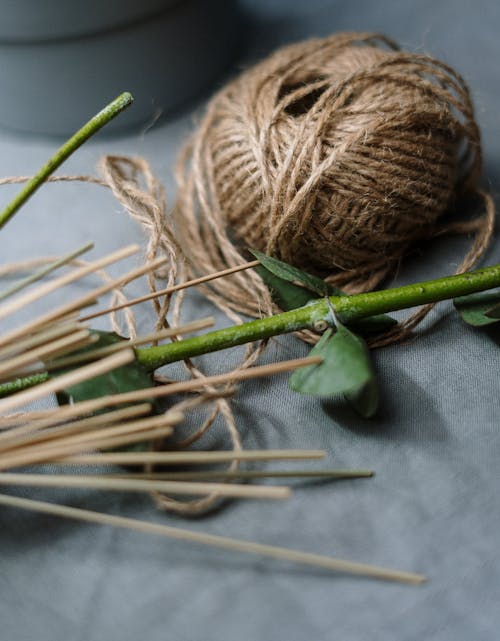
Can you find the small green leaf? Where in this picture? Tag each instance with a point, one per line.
(285, 294)
(281, 278)
(479, 309)
(293, 275)
(126, 378)
(346, 369)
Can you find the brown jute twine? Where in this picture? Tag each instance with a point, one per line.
(336, 155)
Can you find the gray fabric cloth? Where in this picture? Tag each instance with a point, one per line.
(433, 504)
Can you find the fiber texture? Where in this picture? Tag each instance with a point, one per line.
(336, 155)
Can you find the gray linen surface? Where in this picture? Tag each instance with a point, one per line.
(433, 505)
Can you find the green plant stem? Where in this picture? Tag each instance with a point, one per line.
(347, 308)
(20, 384)
(93, 126)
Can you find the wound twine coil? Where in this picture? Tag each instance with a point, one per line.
(336, 155)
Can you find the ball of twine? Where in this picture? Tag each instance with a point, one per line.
(336, 155)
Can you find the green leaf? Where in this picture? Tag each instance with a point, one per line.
(281, 279)
(479, 309)
(293, 275)
(346, 369)
(285, 294)
(126, 378)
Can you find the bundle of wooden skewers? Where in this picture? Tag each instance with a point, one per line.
(58, 353)
(109, 416)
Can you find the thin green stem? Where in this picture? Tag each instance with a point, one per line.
(154, 357)
(347, 308)
(350, 308)
(20, 384)
(93, 126)
(36, 276)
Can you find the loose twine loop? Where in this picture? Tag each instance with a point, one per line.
(336, 155)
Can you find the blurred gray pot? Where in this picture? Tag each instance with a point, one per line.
(62, 60)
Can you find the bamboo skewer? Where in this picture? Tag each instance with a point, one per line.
(226, 543)
(40, 419)
(219, 379)
(251, 474)
(195, 457)
(52, 348)
(106, 438)
(46, 288)
(86, 407)
(11, 420)
(169, 418)
(94, 295)
(38, 275)
(86, 341)
(32, 456)
(9, 441)
(66, 380)
(41, 337)
(42, 323)
(140, 340)
(86, 299)
(129, 438)
(145, 485)
(173, 289)
(60, 362)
